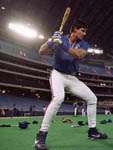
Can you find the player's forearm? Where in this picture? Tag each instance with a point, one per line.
(77, 53)
(44, 50)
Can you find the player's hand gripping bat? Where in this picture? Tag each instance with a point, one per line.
(64, 19)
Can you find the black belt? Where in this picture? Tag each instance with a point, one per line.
(72, 73)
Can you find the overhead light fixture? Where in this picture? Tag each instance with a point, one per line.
(3, 91)
(90, 50)
(95, 51)
(41, 37)
(23, 30)
(2, 7)
(50, 39)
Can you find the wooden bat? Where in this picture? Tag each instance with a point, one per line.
(8, 125)
(65, 17)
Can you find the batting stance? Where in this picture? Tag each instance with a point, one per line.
(67, 51)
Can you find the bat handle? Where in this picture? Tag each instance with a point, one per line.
(61, 29)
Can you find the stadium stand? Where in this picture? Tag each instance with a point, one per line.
(24, 73)
(101, 70)
(24, 103)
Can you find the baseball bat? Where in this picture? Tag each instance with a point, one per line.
(65, 17)
(8, 125)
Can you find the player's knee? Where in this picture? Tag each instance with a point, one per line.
(92, 100)
(58, 99)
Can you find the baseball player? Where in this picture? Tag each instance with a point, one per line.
(67, 51)
(84, 109)
(75, 106)
(107, 110)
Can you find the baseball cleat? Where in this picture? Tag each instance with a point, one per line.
(94, 134)
(40, 141)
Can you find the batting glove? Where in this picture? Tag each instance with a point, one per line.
(49, 44)
(57, 37)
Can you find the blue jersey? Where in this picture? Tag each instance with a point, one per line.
(64, 62)
(84, 106)
(75, 105)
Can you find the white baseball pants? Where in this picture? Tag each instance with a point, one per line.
(75, 111)
(61, 81)
(83, 112)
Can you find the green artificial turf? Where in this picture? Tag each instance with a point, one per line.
(61, 136)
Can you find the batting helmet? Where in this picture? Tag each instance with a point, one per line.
(109, 120)
(23, 125)
(35, 122)
(81, 123)
(103, 122)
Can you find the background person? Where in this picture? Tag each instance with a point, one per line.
(75, 106)
(84, 108)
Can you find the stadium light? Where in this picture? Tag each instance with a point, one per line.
(3, 8)
(23, 30)
(50, 39)
(90, 50)
(41, 37)
(95, 51)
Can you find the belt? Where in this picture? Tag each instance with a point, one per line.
(72, 73)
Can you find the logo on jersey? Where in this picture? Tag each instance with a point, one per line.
(77, 46)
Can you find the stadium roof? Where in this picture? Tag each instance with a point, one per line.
(46, 16)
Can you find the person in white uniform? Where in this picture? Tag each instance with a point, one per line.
(67, 51)
(107, 110)
(84, 107)
(75, 106)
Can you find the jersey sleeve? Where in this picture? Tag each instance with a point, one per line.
(84, 45)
